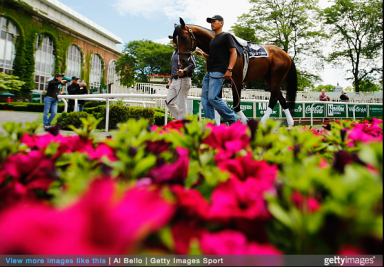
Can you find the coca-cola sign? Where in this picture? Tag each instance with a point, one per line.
(318, 110)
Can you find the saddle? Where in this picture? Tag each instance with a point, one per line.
(248, 50)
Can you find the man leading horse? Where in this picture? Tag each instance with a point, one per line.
(221, 60)
(275, 67)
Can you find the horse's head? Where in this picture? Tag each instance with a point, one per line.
(186, 42)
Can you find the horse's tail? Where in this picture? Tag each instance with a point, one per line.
(291, 86)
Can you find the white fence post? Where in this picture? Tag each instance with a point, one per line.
(107, 115)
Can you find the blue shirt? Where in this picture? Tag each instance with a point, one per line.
(175, 64)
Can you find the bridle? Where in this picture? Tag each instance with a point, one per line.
(193, 44)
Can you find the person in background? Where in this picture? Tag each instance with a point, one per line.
(323, 97)
(344, 96)
(73, 89)
(9, 100)
(82, 91)
(179, 85)
(55, 88)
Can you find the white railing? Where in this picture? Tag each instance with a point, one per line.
(259, 94)
(114, 97)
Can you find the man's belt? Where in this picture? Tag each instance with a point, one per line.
(184, 76)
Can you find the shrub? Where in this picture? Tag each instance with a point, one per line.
(32, 107)
(92, 104)
(118, 113)
(159, 118)
(72, 118)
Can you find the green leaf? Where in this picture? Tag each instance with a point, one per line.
(280, 214)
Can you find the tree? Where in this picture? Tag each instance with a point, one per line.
(200, 71)
(142, 58)
(327, 88)
(289, 24)
(245, 30)
(9, 83)
(370, 85)
(356, 27)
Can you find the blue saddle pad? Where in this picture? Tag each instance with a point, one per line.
(254, 50)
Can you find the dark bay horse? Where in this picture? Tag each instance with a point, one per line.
(275, 69)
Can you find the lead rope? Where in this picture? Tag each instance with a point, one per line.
(232, 84)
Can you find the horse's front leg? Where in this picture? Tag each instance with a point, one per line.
(236, 95)
(275, 89)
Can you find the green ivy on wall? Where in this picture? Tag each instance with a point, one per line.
(21, 15)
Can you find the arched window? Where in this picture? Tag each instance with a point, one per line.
(96, 72)
(112, 76)
(74, 59)
(8, 37)
(44, 62)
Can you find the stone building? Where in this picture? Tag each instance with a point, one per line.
(42, 37)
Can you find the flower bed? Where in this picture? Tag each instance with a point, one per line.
(192, 188)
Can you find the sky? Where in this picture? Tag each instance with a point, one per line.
(154, 20)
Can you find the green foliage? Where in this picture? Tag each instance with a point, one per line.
(142, 58)
(66, 119)
(118, 113)
(306, 80)
(159, 118)
(369, 85)
(327, 88)
(289, 24)
(245, 30)
(10, 142)
(199, 72)
(357, 33)
(9, 82)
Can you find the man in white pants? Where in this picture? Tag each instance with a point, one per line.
(179, 85)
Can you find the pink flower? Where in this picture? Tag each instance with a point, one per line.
(176, 125)
(349, 250)
(323, 163)
(229, 242)
(191, 203)
(240, 199)
(157, 147)
(367, 133)
(70, 144)
(21, 174)
(184, 232)
(98, 224)
(245, 167)
(228, 140)
(305, 203)
(172, 173)
(100, 151)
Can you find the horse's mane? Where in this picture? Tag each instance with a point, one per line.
(203, 28)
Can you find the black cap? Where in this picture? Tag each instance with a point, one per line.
(218, 17)
(59, 75)
(170, 36)
(75, 78)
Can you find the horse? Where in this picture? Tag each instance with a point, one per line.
(275, 69)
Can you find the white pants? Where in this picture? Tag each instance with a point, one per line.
(177, 97)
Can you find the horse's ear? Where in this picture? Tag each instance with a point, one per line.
(182, 23)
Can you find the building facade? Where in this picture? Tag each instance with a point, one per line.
(39, 38)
